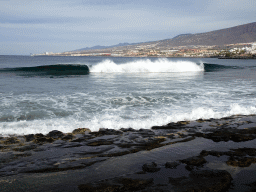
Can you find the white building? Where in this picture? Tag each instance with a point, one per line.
(253, 51)
(254, 46)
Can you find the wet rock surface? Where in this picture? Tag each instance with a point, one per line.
(62, 153)
(150, 167)
(118, 185)
(253, 186)
(203, 180)
(241, 157)
(171, 164)
(193, 161)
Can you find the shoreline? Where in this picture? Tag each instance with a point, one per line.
(156, 159)
(2, 136)
(242, 57)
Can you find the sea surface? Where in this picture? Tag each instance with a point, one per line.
(41, 94)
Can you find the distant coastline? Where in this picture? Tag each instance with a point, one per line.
(236, 57)
(230, 51)
(237, 42)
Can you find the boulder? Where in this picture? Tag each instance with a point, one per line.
(150, 167)
(81, 131)
(55, 134)
(29, 137)
(194, 161)
(68, 137)
(171, 164)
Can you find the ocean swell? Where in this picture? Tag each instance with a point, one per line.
(53, 70)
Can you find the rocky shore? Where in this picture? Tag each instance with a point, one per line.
(202, 155)
(239, 57)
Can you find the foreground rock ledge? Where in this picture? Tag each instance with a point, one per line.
(58, 152)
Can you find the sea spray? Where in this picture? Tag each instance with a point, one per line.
(115, 121)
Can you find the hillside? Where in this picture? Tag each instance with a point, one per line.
(105, 47)
(207, 44)
(238, 34)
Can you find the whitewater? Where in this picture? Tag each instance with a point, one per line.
(147, 66)
(40, 94)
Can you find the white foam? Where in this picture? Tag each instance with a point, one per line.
(147, 66)
(112, 119)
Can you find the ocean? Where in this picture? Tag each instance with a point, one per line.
(40, 94)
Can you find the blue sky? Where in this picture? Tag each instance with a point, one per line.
(36, 26)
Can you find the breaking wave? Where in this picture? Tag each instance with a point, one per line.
(114, 121)
(109, 66)
(147, 66)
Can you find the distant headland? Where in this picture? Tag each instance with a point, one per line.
(237, 42)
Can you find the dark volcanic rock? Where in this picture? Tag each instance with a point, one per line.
(41, 140)
(80, 131)
(213, 153)
(166, 127)
(145, 143)
(103, 131)
(38, 135)
(203, 180)
(235, 135)
(100, 142)
(110, 132)
(11, 140)
(253, 186)
(82, 148)
(244, 151)
(241, 162)
(194, 161)
(171, 164)
(237, 157)
(55, 134)
(104, 187)
(25, 148)
(150, 167)
(82, 137)
(116, 185)
(68, 137)
(146, 132)
(134, 184)
(2, 146)
(72, 144)
(29, 137)
(178, 125)
(128, 130)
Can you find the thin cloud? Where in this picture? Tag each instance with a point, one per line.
(109, 22)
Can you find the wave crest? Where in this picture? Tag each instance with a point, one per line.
(147, 66)
(53, 70)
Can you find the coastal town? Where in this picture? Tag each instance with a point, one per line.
(238, 50)
(237, 42)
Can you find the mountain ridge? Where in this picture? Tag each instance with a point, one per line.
(105, 47)
(245, 33)
(238, 34)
